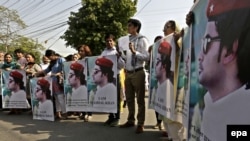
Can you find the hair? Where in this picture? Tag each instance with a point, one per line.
(166, 63)
(19, 50)
(237, 22)
(49, 53)
(172, 24)
(19, 82)
(47, 91)
(69, 57)
(6, 54)
(136, 23)
(32, 55)
(109, 35)
(81, 76)
(109, 72)
(158, 38)
(86, 49)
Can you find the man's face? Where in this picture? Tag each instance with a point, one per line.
(210, 70)
(72, 78)
(158, 67)
(131, 28)
(97, 75)
(11, 84)
(19, 55)
(39, 92)
(46, 60)
(110, 43)
(52, 57)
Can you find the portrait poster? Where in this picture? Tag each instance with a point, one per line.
(14, 89)
(75, 85)
(102, 83)
(183, 83)
(219, 85)
(42, 98)
(162, 97)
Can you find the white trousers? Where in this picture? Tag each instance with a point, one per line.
(60, 103)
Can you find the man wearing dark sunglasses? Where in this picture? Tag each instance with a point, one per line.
(223, 67)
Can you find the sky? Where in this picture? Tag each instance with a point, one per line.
(46, 19)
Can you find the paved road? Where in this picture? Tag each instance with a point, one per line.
(24, 128)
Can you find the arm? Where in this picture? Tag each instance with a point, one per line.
(142, 49)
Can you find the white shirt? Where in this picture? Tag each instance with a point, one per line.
(113, 51)
(229, 110)
(164, 99)
(78, 99)
(45, 110)
(141, 45)
(18, 100)
(105, 98)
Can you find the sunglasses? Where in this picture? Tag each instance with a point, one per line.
(206, 42)
(157, 61)
(10, 80)
(96, 71)
(71, 75)
(37, 90)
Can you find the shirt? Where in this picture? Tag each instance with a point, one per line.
(45, 110)
(56, 68)
(141, 45)
(229, 110)
(105, 98)
(18, 99)
(113, 51)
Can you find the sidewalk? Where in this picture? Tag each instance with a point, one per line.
(24, 128)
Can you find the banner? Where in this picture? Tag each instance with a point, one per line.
(102, 83)
(219, 86)
(162, 97)
(14, 89)
(41, 98)
(75, 86)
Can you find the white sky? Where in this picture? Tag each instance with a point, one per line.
(152, 13)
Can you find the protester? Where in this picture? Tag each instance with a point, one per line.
(110, 49)
(135, 75)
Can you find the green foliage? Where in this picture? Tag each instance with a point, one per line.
(10, 24)
(96, 18)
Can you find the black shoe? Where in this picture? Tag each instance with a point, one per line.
(124, 104)
(127, 124)
(107, 122)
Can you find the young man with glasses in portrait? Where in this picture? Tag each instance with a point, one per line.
(223, 67)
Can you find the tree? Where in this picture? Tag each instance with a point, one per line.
(94, 19)
(10, 24)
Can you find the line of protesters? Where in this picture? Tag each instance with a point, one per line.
(131, 66)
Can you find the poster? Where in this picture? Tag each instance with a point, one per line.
(102, 83)
(14, 89)
(41, 98)
(75, 86)
(219, 85)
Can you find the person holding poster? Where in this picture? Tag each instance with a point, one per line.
(105, 96)
(223, 67)
(135, 58)
(113, 119)
(77, 81)
(45, 105)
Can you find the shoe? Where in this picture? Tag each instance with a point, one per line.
(156, 126)
(64, 116)
(114, 123)
(139, 129)
(107, 122)
(127, 124)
